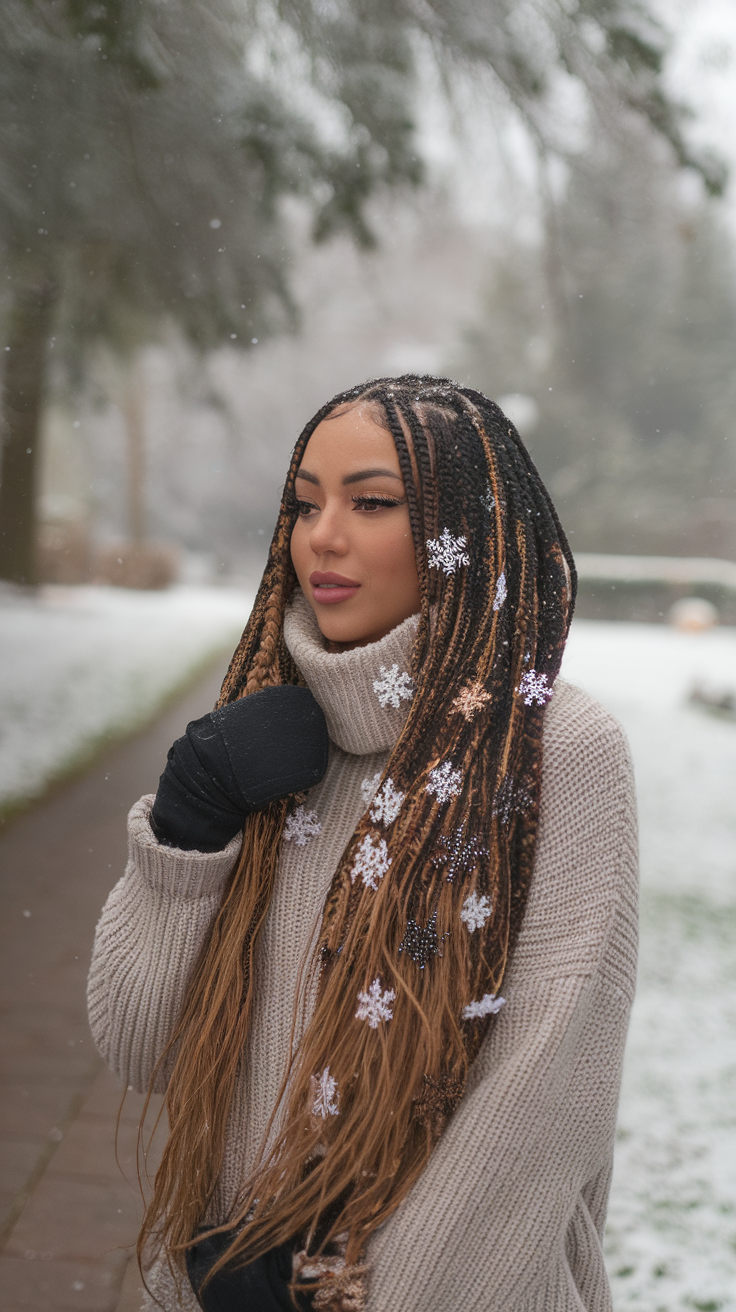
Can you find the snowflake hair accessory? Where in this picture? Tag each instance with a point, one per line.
(369, 788)
(488, 1005)
(457, 854)
(501, 592)
(444, 782)
(387, 804)
(327, 1098)
(471, 699)
(393, 687)
(446, 552)
(534, 688)
(421, 942)
(487, 499)
(371, 862)
(301, 826)
(438, 1100)
(475, 911)
(375, 1004)
(510, 798)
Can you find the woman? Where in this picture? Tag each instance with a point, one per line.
(385, 979)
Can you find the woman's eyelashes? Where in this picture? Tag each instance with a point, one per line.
(376, 502)
(304, 507)
(367, 503)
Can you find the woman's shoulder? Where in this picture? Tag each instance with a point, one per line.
(586, 864)
(587, 775)
(574, 722)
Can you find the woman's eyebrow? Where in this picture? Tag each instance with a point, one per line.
(351, 478)
(370, 473)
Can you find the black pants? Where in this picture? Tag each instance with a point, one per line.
(261, 1286)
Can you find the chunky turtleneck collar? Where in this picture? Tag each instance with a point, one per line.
(365, 693)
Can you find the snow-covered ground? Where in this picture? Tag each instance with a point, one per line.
(80, 665)
(672, 1222)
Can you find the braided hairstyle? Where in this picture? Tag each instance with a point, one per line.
(432, 941)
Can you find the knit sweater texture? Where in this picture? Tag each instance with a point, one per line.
(508, 1215)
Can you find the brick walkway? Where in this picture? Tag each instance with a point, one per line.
(68, 1214)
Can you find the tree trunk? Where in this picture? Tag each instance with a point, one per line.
(133, 412)
(24, 377)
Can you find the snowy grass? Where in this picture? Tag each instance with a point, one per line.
(84, 665)
(671, 1239)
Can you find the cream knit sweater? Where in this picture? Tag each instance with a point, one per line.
(509, 1213)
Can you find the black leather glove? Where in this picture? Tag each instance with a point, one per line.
(261, 1286)
(236, 760)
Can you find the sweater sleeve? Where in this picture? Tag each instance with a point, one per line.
(148, 939)
(508, 1215)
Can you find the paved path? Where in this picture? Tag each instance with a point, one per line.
(69, 1216)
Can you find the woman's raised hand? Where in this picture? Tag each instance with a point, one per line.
(236, 760)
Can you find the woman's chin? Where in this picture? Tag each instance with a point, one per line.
(343, 631)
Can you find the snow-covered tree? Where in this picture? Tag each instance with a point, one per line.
(146, 147)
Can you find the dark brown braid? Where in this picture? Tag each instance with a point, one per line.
(468, 761)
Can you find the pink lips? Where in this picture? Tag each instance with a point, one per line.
(330, 588)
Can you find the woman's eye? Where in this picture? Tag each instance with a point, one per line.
(304, 508)
(376, 503)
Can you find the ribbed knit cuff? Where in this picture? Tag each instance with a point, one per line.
(169, 871)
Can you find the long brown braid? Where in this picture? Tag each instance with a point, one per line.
(497, 585)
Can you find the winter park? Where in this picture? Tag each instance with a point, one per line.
(361, 1001)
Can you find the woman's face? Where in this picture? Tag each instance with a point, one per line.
(351, 545)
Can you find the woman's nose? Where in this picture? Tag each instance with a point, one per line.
(329, 533)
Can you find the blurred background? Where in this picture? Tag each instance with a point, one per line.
(215, 215)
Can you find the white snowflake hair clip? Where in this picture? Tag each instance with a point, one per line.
(488, 1005)
(387, 803)
(444, 782)
(369, 787)
(447, 552)
(475, 911)
(393, 687)
(301, 826)
(534, 688)
(371, 861)
(375, 1004)
(326, 1096)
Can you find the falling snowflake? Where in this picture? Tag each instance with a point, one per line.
(510, 798)
(534, 688)
(487, 499)
(393, 687)
(475, 912)
(302, 825)
(488, 1006)
(445, 782)
(327, 1099)
(470, 700)
(387, 804)
(371, 862)
(447, 552)
(375, 1005)
(369, 787)
(501, 592)
(458, 856)
(421, 943)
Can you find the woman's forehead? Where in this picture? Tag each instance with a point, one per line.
(350, 436)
